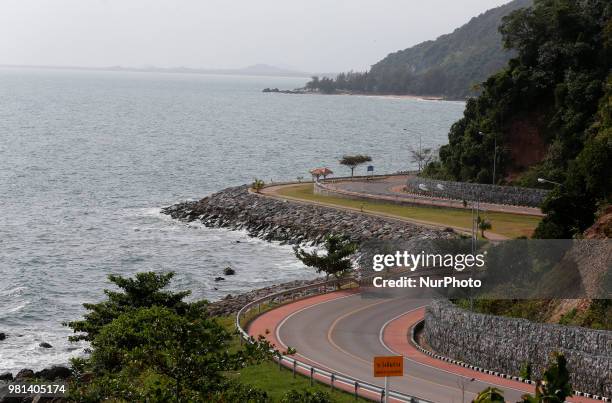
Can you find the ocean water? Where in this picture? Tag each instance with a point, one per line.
(87, 159)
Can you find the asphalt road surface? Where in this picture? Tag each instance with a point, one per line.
(344, 334)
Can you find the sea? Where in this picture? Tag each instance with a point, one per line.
(88, 158)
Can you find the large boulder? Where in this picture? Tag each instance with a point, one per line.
(24, 374)
(2, 335)
(6, 376)
(53, 373)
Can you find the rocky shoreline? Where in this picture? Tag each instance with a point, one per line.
(231, 304)
(55, 374)
(293, 222)
(277, 91)
(289, 222)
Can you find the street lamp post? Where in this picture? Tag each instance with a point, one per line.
(474, 241)
(420, 151)
(494, 154)
(542, 180)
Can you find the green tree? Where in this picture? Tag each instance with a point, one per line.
(490, 395)
(313, 84)
(553, 388)
(257, 185)
(156, 353)
(327, 85)
(144, 290)
(189, 351)
(555, 385)
(571, 208)
(557, 88)
(353, 161)
(337, 259)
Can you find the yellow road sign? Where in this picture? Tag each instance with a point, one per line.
(388, 366)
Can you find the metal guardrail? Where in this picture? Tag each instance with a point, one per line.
(331, 378)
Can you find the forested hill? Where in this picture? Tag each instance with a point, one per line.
(449, 66)
(547, 116)
(453, 63)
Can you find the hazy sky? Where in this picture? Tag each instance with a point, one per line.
(309, 35)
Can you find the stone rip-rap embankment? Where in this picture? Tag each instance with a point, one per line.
(293, 222)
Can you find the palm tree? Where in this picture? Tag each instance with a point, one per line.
(336, 262)
(490, 395)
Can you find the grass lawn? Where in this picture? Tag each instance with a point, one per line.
(275, 382)
(510, 225)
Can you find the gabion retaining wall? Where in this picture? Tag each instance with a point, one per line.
(475, 191)
(505, 344)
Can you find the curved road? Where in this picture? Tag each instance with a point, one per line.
(343, 331)
(386, 189)
(273, 192)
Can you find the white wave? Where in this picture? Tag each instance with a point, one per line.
(19, 351)
(12, 292)
(14, 308)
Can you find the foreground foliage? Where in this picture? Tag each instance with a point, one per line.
(148, 344)
(306, 397)
(144, 290)
(490, 395)
(554, 387)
